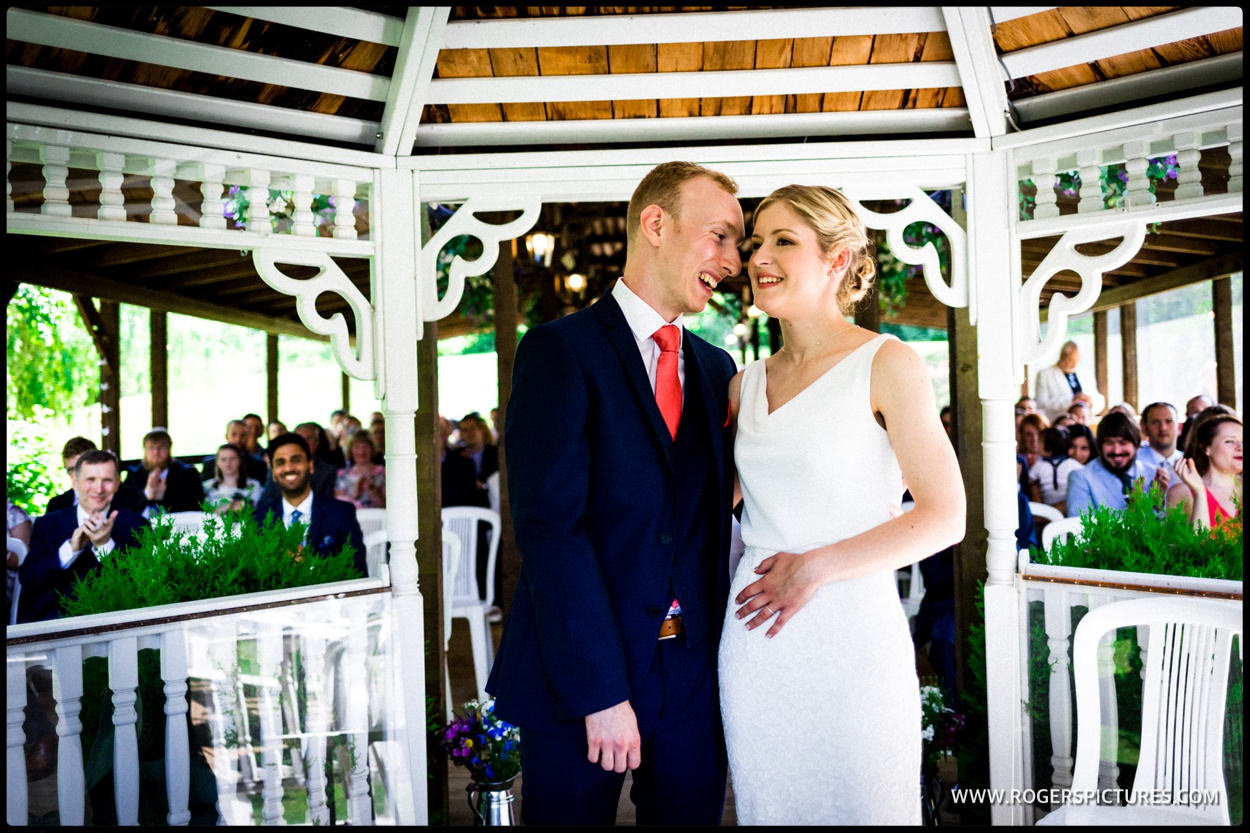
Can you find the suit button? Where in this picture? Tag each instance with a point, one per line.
(666, 537)
(654, 610)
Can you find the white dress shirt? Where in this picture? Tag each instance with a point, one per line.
(305, 508)
(643, 321)
(66, 553)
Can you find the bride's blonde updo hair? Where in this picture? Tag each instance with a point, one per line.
(837, 226)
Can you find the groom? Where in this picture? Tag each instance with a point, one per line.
(620, 480)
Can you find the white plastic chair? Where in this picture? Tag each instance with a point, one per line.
(375, 552)
(468, 601)
(451, 564)
(18, 547)
(1184, 692)
(371, 519)
(1059, 530)
(1045, 510)
(492, 490)
(192, 521)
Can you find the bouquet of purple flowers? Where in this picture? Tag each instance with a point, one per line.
(488, 746)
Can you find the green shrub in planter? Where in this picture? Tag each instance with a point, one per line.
(1145, 538)
(233, 554)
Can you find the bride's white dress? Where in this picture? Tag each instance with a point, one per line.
(822, 722)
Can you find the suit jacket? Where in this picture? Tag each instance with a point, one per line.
(183, 490)
(593, 486)
(41, 573)
(466, 476)
(333, 524)
(124, 499)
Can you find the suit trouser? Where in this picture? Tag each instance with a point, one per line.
(682, 776)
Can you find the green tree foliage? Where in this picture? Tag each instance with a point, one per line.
(28, 482)
(50, 359)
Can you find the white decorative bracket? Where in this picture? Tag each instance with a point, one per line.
(464, 223)
(1090, 268)
(922, 209)
(329, 279)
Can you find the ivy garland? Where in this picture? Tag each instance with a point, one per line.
(1112, 179)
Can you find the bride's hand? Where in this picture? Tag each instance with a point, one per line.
(785, 586)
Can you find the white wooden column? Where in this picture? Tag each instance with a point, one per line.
(995, 277)
(394, 283)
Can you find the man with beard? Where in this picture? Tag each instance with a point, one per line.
(166, 484)
(1107, 480)
(331, 522)
(68, 543)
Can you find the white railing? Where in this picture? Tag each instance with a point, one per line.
(279, 678)
(293, 203)
(1192, 139)
(1060, 591)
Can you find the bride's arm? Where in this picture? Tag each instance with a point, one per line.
(903, 395)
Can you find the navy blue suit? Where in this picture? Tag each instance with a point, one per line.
(333, 524)
(41, 573)
(614, 518)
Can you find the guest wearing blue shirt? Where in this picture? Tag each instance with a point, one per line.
(1107, 480)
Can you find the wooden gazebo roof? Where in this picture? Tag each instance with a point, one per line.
(515, 78)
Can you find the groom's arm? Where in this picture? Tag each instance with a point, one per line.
(549, 465)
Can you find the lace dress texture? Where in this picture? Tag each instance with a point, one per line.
(822, 722)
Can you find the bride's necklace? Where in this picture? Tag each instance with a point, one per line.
(814, 351)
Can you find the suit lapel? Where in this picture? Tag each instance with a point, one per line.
(621, 337)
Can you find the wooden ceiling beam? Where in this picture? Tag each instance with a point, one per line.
(86, 283)
(1216, 267)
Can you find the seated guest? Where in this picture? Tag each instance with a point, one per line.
(1048, 478)
(331, 522)
(1158, 424)
(68, 543)
(1210, 472)
(1107, 480)
(1193, 407)
(1025, 405)
(363, 483)
(231, 489)
(459, 478)
(19, 530)
(166, 484)
(256, 430)
(1058, 386)
(1029, 444)
(322, 474)
(75, 448)
(1079, 412)
(238, 434)
(477, 445)
(1082, 446)
(276, 428)
(377, 433)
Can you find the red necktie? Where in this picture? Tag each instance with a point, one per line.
(667, 385)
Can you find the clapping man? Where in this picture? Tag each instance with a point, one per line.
(167, 485)
(69, 543)
(74, 448)
(1158, 422)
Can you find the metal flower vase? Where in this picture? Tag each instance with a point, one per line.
(492, 803)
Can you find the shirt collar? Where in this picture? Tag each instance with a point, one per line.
(305, 507)
(642, 319)
(83, 514)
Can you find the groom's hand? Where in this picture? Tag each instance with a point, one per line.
(612, 738)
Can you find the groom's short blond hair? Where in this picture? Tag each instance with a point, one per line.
(662, 187)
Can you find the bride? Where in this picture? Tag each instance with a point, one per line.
(819, 693)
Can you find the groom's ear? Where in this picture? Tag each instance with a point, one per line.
(650, 221)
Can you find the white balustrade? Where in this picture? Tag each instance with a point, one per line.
(112, 158)
(294, 631)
